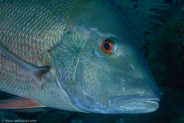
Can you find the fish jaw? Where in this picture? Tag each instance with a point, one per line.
(134, 104)
(125, 104)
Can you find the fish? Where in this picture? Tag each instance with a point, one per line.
(74, 55)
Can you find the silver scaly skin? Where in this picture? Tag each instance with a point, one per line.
(29, 29)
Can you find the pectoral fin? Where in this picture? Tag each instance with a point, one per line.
(38, 71)
(19, 103)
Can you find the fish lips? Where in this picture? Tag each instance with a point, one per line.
(134, 104)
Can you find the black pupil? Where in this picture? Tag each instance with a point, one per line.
(107, 46)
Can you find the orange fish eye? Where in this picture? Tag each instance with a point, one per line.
(107, 46)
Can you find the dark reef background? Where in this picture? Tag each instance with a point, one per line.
(167, 64)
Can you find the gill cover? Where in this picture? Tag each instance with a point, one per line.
(67, 54)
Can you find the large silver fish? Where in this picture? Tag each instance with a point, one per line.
(75, 55)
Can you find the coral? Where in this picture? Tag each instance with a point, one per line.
(143, 14)
(169, 47)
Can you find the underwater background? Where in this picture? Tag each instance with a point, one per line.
(164, 51)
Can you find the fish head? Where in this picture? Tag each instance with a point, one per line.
(103, 70)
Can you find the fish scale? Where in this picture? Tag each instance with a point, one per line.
(29, 29)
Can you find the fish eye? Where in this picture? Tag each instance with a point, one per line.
(108, 46)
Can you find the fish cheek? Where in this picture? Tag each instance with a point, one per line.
(80, 72)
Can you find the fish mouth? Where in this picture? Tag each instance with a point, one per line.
(133, 104)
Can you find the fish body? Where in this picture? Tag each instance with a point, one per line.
(68, 37)
(29, 29)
